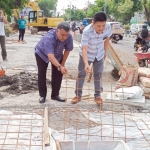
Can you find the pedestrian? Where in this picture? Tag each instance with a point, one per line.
(3, 21)
(94, 44)
(22, 26)
(51, 49)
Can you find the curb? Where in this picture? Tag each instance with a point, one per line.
(130, 36)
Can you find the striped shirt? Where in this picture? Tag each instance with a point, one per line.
(94, 41)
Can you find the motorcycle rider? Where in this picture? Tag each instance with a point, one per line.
(73, 26)
(143, 35)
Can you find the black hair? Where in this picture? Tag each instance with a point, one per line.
(144, 26)
(64, 25)
(100, 17)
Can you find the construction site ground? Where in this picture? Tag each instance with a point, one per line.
(18, 89)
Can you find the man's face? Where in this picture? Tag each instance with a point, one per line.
(62, 34)
(22, 17)
(99, 26)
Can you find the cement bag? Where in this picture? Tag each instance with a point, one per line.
(145, 89)
(129, 76)
(145, 81)
(129, 92)
(144, 72)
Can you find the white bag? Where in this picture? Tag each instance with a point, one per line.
(129, 92)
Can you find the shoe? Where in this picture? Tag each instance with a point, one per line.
(42, 100)
(98, 100)
(5, 59)
(75, 100)
(58, 99)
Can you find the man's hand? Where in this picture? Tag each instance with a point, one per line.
(63, 70)
(1, 13)
(87, 68)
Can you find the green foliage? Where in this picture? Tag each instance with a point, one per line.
(7, 5)
(125, 10)
(146, 5)
(116, 9)
(75, 14)
(127, 27)
(98, 6)
(47, 5)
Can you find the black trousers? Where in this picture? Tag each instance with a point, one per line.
(56, 78)
(138, 40)
(21, 34)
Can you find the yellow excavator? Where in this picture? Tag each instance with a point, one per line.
(36, 19)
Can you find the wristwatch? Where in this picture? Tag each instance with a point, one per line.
(59, 67)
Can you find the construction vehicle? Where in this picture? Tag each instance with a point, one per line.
(36, 19)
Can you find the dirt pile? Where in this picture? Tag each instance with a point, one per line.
(20, 84)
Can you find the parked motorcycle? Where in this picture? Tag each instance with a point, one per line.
(116, 37)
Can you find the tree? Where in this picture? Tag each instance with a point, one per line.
(98, 6)
(126, 10)
(116, 9)
(47, 5)
(76, 14)
(146, 6)
(8, 5)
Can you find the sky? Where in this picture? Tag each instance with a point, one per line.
(63, 4)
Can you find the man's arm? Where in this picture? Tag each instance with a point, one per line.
(5, 20)
(65, 56)
(84, 54)
(53, 60)
(106, 43)
(68, 48)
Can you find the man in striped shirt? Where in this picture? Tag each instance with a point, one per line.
(94, 44)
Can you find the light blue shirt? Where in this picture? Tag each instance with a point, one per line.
(95, 42)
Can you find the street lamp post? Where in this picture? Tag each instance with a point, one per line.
(70, 1)
(105, 5)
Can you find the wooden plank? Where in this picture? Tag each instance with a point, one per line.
(58, 145)
(90, 74)
(46, 128)
(116, 60)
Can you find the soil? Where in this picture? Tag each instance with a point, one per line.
(19, 84)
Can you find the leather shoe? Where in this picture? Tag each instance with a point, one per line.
(42, 100)
(58, 99)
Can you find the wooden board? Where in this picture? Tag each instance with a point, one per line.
(115, 60)
(46, 128)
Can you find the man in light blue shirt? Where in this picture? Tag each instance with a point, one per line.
(22, 25)
(94, 44)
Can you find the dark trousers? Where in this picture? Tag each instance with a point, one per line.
(2, 43)
(138, 40)
(21, 34)
(56, 78)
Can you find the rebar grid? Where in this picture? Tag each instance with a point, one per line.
(70, 115)
(22, 129)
